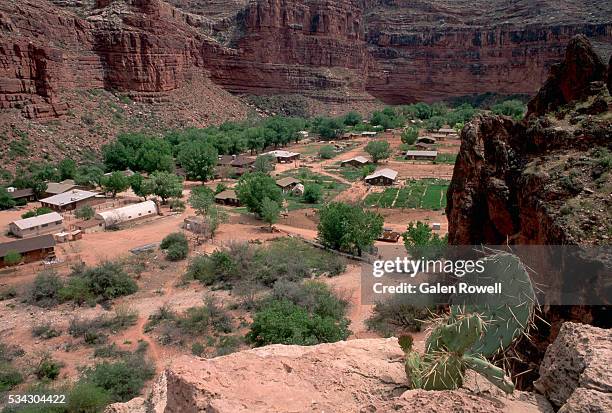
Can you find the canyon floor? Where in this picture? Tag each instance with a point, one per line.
(161, 281)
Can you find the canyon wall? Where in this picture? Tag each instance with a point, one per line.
(347, 50)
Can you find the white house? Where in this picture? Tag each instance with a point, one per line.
(42, 224)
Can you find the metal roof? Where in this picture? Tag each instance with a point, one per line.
(28, 244)
(422, 153)
(282, 154)
(360, 159)
(386, 172)
(59, 187)
(37, 221)
(227, 194)
(128, 212)
(69, 197)
(284, 182)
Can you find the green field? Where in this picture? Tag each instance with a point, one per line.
(330, 187)
(422, 194)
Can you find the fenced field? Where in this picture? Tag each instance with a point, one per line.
(423, 194)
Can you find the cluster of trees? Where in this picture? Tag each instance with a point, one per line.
(348, 228)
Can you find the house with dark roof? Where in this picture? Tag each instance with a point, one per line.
(30, 249)
(288, 183)
(227, 197)
(23, 195)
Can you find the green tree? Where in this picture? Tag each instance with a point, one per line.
(115, 183)
(201, 199)
(313, 193)
(6, 201)
(12, 258)
(348, 227)
(165, 185)
(514, 108)
(253, 187)
(421, 241)
(154, 155)
(270, 211)
(352, 119)
(329, 128)
(36, 212)
(67, 169)
(199, 159)
(264, 163)
(85, 212)
(90, 175)
(140, 186)
(410, 135)
(378, 150)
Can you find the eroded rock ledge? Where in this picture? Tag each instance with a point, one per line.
(351, 376)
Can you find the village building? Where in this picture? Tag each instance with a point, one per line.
(425, 146)
(21, 195)
(447, 131)
(298, 190)
(195, 224)
(236, 161)
(426, 139)
(89, 226)
(357, 161)
(126, 173)
(385, 176)
(439, 136)
(283, 156)
(70, 200)
(39, 225)
(126, 214)
(288, 183)
(30, 249)
(227, 197)
(368, 133)
(421, 155)
(56, 188)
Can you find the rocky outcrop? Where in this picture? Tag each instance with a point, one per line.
(351, 376)
(570, 80)
(507, 187)
(575, 373)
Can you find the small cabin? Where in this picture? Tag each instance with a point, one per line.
(385, 176)
(227, 197)
(421, 155)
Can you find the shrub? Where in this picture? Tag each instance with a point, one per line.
(326, 152)
(9, 376)
(48, 368)
(176, 246)
(312, 193)
(396, 316)
(85, 212)
(45, 291)
(197, 349)
(227, 345)
(123, 379)
(90, 329)
(12, 258)
(8, 293)
(108, 280)
(86, 397)
(36, 212)
(77, 290)
(176, 205)
(303, 314)
(286, 323)
(45, 331)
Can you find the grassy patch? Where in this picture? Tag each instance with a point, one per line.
(330, 188)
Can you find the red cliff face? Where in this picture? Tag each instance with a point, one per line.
(346, 50)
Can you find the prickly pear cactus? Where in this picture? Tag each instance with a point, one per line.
(505, 317)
